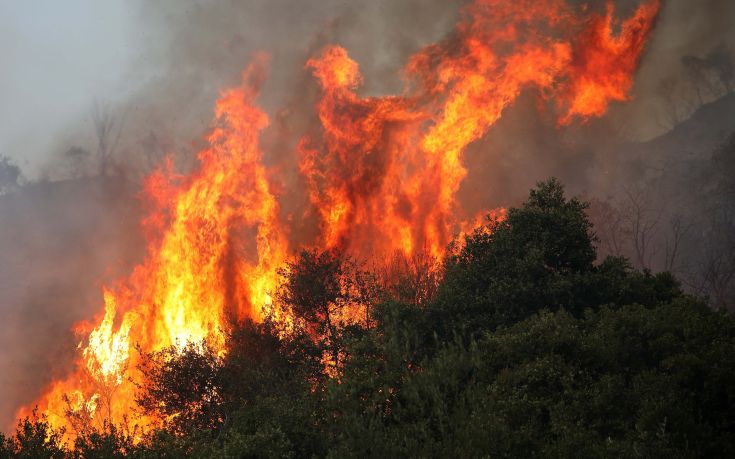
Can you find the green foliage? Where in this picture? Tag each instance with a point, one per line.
(183, 386)
(619, 382)
(536, 258)
(256, 398)
(532, 350)
(266, 360)
(318, 289)
(110, 442)
(540, 257)
(528, 349)
(33, 439)
(312, 288)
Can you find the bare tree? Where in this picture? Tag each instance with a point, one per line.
(76, 159)
(153, 149)
(108, 130)
(717, 277)
(611, 227)
(642, 221)
(678, 231)
(718, 266)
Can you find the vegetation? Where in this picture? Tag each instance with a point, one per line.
(526, 346)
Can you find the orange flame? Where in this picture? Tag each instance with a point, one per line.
(604, 63)
(382, 176)
(196, 275)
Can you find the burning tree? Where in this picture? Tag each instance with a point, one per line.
(530, 348)
(381, 176)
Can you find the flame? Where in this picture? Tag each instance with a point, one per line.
(196, 276)
(382, 175)
(107, 352)
(384, 172)
(604, 63)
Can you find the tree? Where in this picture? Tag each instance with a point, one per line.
(109, 442)
(532, 347)
(76, 159)
(642, 222)
(411, 280)
(611, 226)
(568, 358)
(323, 290)
(265, 372)
(108, 130)
(34, 438)
(515, 267)
(183, 387)
(618, 382)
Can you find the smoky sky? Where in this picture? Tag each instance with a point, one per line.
(160, 65)
(56, 57)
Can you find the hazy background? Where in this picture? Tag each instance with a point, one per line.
(159, 62)
(55, 59)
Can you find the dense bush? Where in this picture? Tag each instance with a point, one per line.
(528, 348)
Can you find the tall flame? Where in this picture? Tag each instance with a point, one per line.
(198, 274)
(382, 175)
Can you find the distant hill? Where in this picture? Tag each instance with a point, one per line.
(673, 195)
(678, 155)
(702, 133)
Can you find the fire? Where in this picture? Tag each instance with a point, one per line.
(382, 175)
(384, 172)
(196, 276)
(107, 353)
(602, 68)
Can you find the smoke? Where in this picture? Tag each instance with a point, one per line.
(684, 29)
(60, 247)
(195, 48)
(59, 242)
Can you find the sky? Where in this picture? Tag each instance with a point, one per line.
(56, 59)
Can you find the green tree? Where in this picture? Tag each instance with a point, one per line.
(533, 350)
(322, 290)
(540, 257)
(530, 348)
(109, 442)
(183, 387)
(213, 405)
(34, 438)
